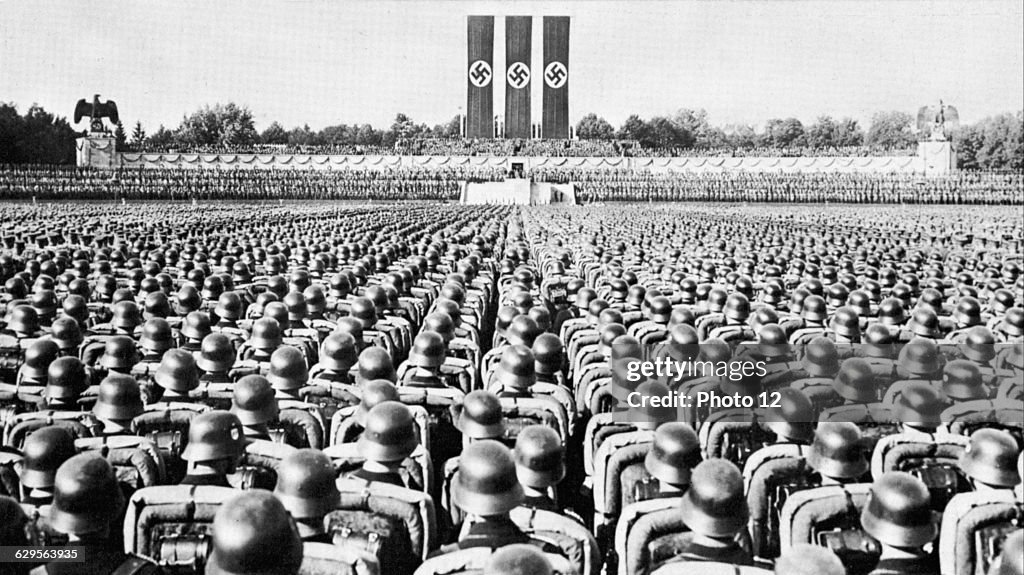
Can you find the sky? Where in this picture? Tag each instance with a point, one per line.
(321, 62)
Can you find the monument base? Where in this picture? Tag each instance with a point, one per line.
(517, 191)
(97, 151)
(937, 158)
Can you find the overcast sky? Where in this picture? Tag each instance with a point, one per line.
(322, 63)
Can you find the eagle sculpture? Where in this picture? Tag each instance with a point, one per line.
(939, 122)
(96, 112)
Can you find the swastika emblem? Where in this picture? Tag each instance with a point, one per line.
(518, 75)
(555, 75)
(480, 73)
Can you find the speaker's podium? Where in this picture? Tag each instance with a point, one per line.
(517, 190)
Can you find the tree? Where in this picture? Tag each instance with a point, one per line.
(741, 136)
(303, 136)
(37, 137)
(891, 130)
(450, 129)
(120, 138)
(783, 133)
(634, 128)
(138, 136)
(275, 134)
(593, 127)
(162, 139)
(1002, 147)
(222, 125)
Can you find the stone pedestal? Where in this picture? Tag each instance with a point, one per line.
(938, 158)
(97, 151)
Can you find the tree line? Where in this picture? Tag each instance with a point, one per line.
(992, 144)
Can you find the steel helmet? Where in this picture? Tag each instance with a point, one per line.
(86, 496)
(373, 392)
(962, 381)
(44, 451)
(287, 369)
(442, 324)
(772, 341)
(737, 307)
(196, 325)
(389, 433)
(375, 363)
(991, 458)
(549, 354)
(266, 335)
(118, 399)
(898, 511)
(846, 322)
(156, 335)
(856, 381)
(920, 404)
(338, 352)
(66, 379)
(306, 484)
(481, 416)
(214, 435)
(24, 320)
(821, 359)
(814, 309)
(522, 331)
(351, 326)
(516, 368)
(38, 357)
(428, 350)
(838, 451)
(920, 357)
(66, 333)
(229, 306)
(714, 505)
(253, 534)
(675, 451)
(539, 456)
(177, 371)
(216, 353)
(363, 310)
(793, 418)
(253, 401)
(126, 316)
(518, 559)
(486, 483)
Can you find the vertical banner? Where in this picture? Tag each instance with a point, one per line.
(556, 77)
(480, 78)
(518, 39)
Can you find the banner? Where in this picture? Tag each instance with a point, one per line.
(480, 78)
(556, 77)
(518, 39)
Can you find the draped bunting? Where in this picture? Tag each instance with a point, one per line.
(682, 164)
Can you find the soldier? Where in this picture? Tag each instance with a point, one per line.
(962, 381)
(194, 329)
(264, 340)
(254, 403)
(288, 373)
(118, 401)
(66, 381)
(87, 502)
(425, 361)
(990, 460)
(837, 453)
(674, 452)
(216, 442)
(540, 466)
(253, 533)
(177, 376)
(44, 451)
(388, 439)
(307, 489)
(549, 359)
(375, 363)
(898, 515)
(338, 354)
(350, 421)
(715, 510)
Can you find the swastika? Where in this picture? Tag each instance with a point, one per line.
(480, 73)
(518, 75)
(556, 75)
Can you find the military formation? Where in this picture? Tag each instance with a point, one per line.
(368, 181)
(425, 389)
